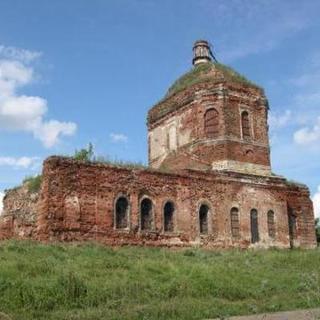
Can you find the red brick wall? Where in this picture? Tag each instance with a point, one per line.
(77, 202)
(229, 99)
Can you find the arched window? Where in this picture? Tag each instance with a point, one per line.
(211, 123)
(168, 212)
(235, 224)
(271, 224)
(203, 218)
(254, 226)
(292, 220)
(121, 214)
(245, 125)
(146, 212)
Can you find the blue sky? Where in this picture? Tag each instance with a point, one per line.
(73, 72)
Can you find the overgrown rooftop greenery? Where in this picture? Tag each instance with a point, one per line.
(88, 155)
(33, 183)
(203, 72)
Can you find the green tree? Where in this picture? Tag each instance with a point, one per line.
(85, 154)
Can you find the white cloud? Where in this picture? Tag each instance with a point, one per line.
(1, 201)
(49, 132)
(19, 54)
(118, 137)
(308, 136)
(13, 74)
(316, 203)
(22, 162)
(277, 120)
(26, 113)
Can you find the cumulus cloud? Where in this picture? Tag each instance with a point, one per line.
(277, 121)
(22, 162)
(20, 112)
(19, 54)
(308, 135)
(316, 203)
(118, 137)
(1, 201)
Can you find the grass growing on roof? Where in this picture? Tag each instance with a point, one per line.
(33, 183)
(201, 73)
(65, 281)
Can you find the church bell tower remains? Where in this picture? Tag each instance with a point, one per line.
(212, 118)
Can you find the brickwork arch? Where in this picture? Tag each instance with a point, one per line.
(211, 123)
(235, 223)
(121, 212)
(245, 125)
(169, 212)
(204, 217)
(271, 224)
(146, 214)
(254, 226)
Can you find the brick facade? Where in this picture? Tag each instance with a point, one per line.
(209, 181)
(78, 202)
(185, 126)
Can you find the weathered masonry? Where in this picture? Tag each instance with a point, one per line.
(209, 181)
(218, 209)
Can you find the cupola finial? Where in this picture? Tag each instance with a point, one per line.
(201, 52)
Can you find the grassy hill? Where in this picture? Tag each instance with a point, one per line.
(90, 281)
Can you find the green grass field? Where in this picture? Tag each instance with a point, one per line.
(90, 281)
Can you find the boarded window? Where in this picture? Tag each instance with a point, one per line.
(168, 212)
(254, 226)
(172, 138)
(211, 123)
(271, 224)
(121, 215)
(146, 214)
(245, 125)
(235, 224)
(203, 218)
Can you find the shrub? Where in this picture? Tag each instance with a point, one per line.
(33, 183)
(85, 154)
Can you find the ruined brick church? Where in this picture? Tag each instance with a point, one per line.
(209, 182)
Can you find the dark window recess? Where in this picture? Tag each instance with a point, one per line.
(211, 123)
(146, 214)
(168, 212)
(254, 226)
(292, 225)
(271, 224)
(203, 218)
(245, 125)
(235, 223)
(122, 208)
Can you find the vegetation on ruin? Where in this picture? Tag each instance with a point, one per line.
(89, 281)
(201, 73)
(120, 163)
(84, 154)
(88, 155)
(33, 183)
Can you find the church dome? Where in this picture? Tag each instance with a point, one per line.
(212, 72)
(206, 74)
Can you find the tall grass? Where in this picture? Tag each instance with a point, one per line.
(90, 281)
